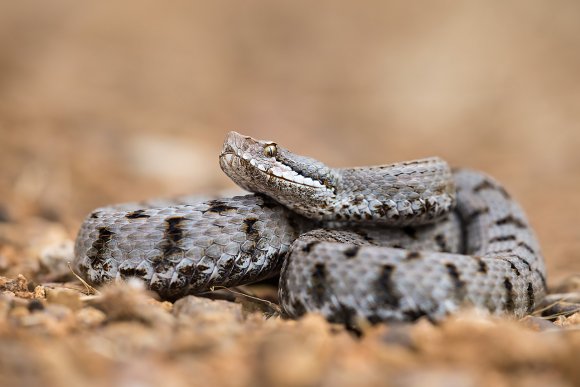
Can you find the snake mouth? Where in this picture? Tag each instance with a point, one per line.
(277, 171)
(299, 180)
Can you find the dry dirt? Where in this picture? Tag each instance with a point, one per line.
(110, 101)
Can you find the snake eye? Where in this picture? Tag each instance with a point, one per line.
(270, 150)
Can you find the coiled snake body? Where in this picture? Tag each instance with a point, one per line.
(385, 243)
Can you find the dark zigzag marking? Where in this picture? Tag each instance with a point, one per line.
(511, 220)
(488, 185)
(503, 238)
(510, 254)
(514, 268)
(524, 245)
(524, 261)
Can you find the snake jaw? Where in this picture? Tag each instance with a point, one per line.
(286, 173)
(279, 172)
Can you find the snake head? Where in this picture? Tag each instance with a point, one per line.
(266, 167)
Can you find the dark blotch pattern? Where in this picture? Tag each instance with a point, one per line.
(132, 272)
(173, 234)
(413, 255)
(100, 245)
(308, 247)
(415, 314)
(509, 300)
(139, 214)
(249, 229)
(161, 265)
(344, 315)
(385, 289)
(411, 232)
(187, 270)
(319, 285)
(458, 283)
(351, 251)
(481, 265)
(441, 242)
(218, 206)
(531, 299)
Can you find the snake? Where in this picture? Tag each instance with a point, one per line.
(393, 242)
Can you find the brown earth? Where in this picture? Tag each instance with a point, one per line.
(110, 101)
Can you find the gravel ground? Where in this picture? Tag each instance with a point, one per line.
(111, 101)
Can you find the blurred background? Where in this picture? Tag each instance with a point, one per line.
(111, 101)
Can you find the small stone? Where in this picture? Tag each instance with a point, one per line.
(39, 292)
(206, 309)
(129, 301)
(20, 284)
(65, 297)
(538, 323)
(568, 321)
(54, 259)
(35, 305)
(90, 317)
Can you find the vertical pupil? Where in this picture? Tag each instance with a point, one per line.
(270, 150)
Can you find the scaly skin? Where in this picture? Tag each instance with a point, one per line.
(501, 269)
(414, 192)
(390, 246)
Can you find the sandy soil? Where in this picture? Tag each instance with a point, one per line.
(103, 102)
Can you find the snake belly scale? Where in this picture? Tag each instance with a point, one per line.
(384, 243)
